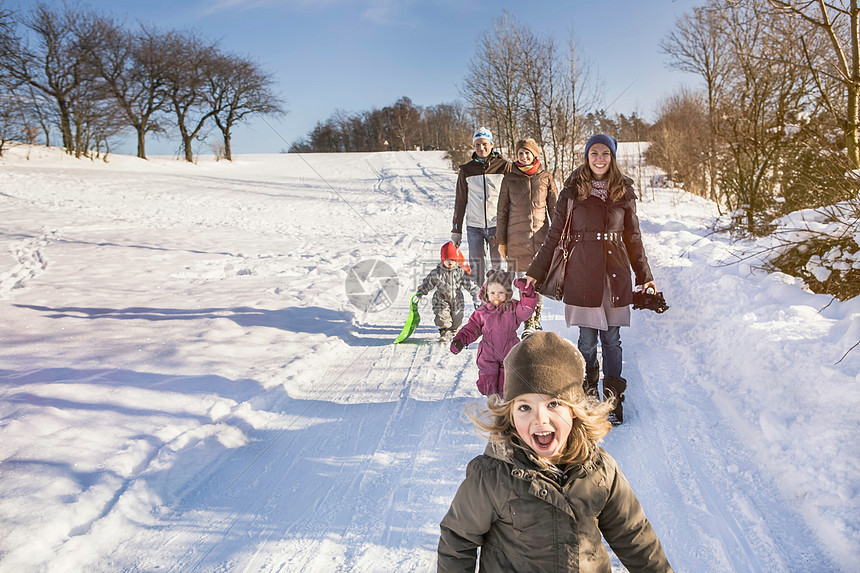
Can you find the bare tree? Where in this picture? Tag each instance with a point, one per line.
(349, 127)
(448, 126)
(698, 45)
(576, 90)
(766, 86)
(133, 68)
(49, 65)
(37, 110)
(680, 140)
(521, 85)
(192, 61)
(493, 83)
(536, 64)
(235, 88)
(53, 67)
(10, 113)
(404, 124)
(11, 125)
(839, 22)
(400, 126)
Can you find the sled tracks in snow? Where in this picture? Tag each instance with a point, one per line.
(29, 262)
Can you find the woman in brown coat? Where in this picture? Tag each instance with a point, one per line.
(544, 492)
(526, 198)
(606, 244)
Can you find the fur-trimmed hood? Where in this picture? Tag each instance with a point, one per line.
(521, 457)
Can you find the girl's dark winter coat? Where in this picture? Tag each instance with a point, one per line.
(524, 520)
(591, 258)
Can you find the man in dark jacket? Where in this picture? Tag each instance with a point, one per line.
(476, 200)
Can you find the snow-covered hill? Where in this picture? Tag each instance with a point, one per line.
(185, 386)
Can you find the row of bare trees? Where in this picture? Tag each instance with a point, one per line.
(83, 74)
(774, 127)
(398, 127)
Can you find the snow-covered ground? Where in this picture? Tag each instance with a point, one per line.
(185, 386)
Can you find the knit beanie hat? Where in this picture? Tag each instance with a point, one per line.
(545, 363)
(528, 144)
(483, 133)
(609, 142)
(450, 251)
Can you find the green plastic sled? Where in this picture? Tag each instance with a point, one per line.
(412, 321)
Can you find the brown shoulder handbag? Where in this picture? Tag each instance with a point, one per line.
(553, 285)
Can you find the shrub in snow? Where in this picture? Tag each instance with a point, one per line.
(821, 246)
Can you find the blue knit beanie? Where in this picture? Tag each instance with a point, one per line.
(483, 133)
(605, 140)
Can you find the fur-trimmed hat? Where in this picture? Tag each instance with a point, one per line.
(545, 363)
(528, 144)
(450, 251)
(483, 133)
(609, 142)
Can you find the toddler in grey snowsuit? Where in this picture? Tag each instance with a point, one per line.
(449, 278)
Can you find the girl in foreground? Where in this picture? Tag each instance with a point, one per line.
(543, 492)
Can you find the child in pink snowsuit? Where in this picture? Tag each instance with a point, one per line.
(496, 321)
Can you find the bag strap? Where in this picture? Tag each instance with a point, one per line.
(565, 232)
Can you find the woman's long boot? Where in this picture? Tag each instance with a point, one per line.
(592, 376)
(613, 389)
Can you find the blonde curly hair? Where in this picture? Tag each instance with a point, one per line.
(590, 425)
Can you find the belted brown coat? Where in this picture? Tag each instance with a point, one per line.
(594, 257)
(524, 520)
(523, 216)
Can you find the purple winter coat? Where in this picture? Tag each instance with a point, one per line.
(498, 327)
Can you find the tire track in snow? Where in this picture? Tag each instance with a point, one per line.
(288, 509)
(381, 495)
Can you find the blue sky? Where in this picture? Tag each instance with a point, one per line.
(357, 55)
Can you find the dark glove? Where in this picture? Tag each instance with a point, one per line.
(456, 346)
(456, 238)
(650, 301)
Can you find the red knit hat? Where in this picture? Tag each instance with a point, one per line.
(449, 251)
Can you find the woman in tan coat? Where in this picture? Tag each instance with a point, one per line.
(527, 196)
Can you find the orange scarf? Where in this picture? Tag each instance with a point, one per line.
(529, 169)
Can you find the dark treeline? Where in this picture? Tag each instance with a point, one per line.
(398, 127)
(79, 78)
(448, 127)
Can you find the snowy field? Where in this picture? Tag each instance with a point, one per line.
(185, 386)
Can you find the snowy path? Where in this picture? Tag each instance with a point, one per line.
(185, 387)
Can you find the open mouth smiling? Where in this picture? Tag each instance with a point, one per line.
(543, 440)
